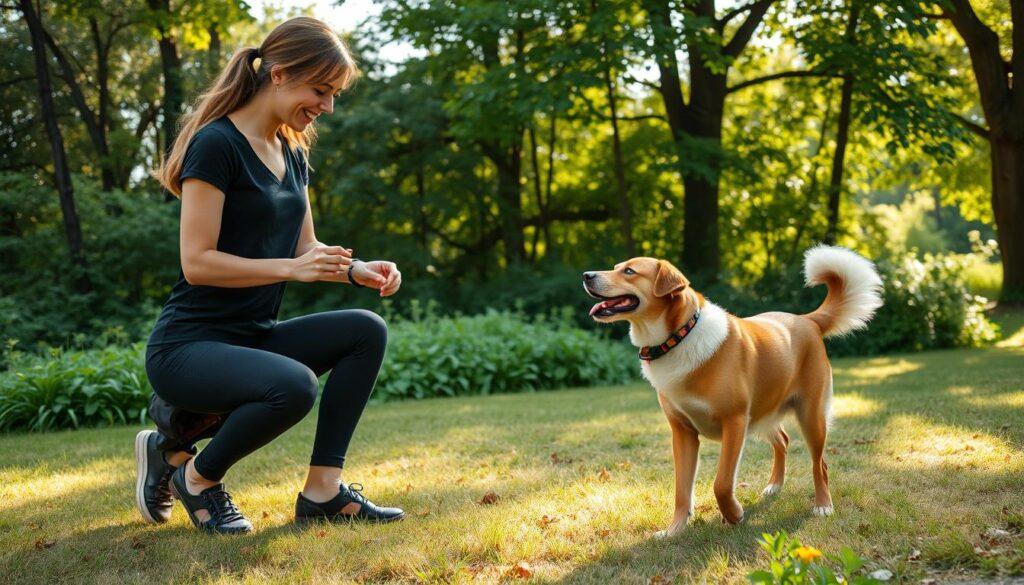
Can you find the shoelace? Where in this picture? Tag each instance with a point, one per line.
(163, 487)
(221, 508)
(355, 491)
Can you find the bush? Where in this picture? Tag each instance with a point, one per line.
(927, 305)
(427, 356)
(498, 353)
(73, 389)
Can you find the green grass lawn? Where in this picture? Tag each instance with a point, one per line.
(925, 456)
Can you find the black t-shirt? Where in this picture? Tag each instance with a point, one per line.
(262, 218)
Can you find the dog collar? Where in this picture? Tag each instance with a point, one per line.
(653, 352)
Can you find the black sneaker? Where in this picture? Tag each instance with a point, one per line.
(224, 515)
(153, 495)
(307, 510)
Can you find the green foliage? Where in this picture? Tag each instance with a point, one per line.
(131, 247)
(791, 563)
(927, 305)
(497, 353)
(73, 389)
(428, 356)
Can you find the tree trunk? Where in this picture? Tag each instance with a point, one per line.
(170, 64)
(109, 176)
(1003, 105)
(835, 185)
(622, 190)
(1008, 208)
(72, 228)
(511, 205)
(213, 54)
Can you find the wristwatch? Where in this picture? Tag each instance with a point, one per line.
(351, 280)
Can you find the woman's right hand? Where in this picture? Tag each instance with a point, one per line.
(321, 263)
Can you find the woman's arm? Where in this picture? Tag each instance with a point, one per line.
(202, 207)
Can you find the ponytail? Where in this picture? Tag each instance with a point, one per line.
(304, 47)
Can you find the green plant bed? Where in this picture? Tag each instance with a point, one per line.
(427, 356)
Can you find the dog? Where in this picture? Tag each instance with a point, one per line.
(722, 377)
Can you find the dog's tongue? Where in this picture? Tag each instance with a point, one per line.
(606, 305)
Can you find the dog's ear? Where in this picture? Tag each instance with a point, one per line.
(669, 280)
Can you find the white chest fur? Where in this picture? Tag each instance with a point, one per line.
(667, 373)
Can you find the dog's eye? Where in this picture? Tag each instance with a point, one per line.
(629, 271)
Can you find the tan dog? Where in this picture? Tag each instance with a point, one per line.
(729, 376)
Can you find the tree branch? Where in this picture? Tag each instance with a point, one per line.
(972, 126)
(724, 20)
(780, 75)
(746, 30)
(16, 80)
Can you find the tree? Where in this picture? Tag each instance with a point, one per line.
(62, 174)
(1003, 106)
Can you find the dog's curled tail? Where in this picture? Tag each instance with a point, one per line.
(854, 289)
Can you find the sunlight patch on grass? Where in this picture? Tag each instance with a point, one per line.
(849, 405)
(24, 486)
(878, 369)
(1014, 400)
(913, 442)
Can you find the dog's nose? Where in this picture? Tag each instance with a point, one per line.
(589, 276)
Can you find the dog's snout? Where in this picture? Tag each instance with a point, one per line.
(588, 276)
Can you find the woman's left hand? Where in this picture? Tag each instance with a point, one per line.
(378, 274)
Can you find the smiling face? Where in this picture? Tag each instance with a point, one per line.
(298, 102)
(636, 289)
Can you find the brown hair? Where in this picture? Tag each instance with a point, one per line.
(304, 47)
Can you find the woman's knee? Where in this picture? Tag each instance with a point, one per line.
(294, 390)
(372, 328)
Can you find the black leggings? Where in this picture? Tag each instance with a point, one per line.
(268, 384)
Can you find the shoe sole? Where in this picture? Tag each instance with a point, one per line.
(141, 467)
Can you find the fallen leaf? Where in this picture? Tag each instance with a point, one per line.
(34, 526)
(742, 485)
(604, 533)
(266, 514)
(461, 480)
(626, 465)
(520, 570)
(423, 513)
(490, 498)
(915, 555)
(658, 580)
(603, 475)
(41, 544)
(408, 487)
(864, 442)
(928, 581)
(321, 533)
(137, 544)
(545, 520)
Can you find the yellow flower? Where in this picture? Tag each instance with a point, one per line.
(807, 554)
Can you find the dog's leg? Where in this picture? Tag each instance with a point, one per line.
(813, 418)
(779, 441)
(685, 446)
(734, 432)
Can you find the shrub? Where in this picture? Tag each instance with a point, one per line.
(497, 353)
(427, 356)
(72, 389)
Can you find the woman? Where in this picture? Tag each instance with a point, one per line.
(239, 167)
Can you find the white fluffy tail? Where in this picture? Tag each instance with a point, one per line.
(854, 289)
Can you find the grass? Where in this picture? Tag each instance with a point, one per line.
(926, 455)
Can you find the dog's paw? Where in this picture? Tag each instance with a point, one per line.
(771, 489)
(673, 529)
(822, 511)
